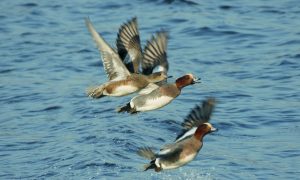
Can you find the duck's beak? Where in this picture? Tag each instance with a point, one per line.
(212, 129)
(196, 80)
(169, 76)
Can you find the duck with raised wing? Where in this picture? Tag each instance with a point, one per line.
(155, 51)
(121, 81)
(159, 96)
(187, 145)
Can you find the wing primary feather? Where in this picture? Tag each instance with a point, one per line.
(155, 53)
(128, 42)
(112, 63)
(197, 116)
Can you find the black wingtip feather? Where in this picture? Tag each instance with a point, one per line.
(155, 52)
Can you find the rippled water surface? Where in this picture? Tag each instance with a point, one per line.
(247, 54)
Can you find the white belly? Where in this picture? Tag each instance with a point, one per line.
(151, 104)
(122, 91)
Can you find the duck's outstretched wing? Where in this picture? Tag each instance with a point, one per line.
(128, 42)
(112, 63)
(146, 152)
(197, 116)
(155, 53)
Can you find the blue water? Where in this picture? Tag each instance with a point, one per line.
(247, 54)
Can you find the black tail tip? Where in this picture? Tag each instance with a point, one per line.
(127, 108)
(150, 166)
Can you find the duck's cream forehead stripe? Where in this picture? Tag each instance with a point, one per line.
(190, 74)
(208, 124)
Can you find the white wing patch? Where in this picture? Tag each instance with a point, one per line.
(156, 103)
(188, 133)
(160, 68)
(164, 151)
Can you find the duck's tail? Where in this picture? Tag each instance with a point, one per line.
(126, 108)
(96, 92)
(147, 153)
(151, 165)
